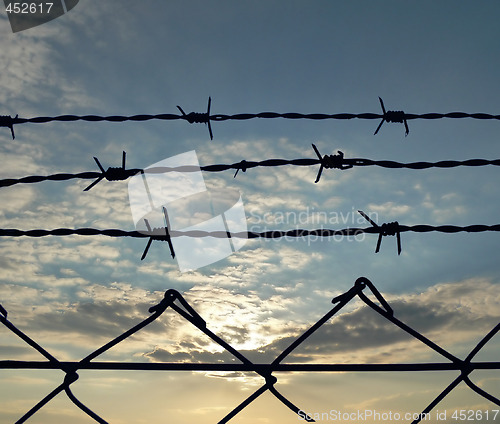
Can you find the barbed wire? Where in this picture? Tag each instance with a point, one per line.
(166, 233)
(337, 161)
(174, 300)
(206, 118)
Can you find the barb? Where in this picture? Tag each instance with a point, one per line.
(114, 174)
(389, 229)
(392, 116)
(8, 121)
(242, 166)
(172, 297)
(159, 234)
(327, 161)
(193, 117)
(199, 118)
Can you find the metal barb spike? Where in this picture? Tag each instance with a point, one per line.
(387, 229)
(392, 116)
(199, 118)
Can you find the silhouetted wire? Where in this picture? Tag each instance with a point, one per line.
(175, 301)
(391, 229)
(225, 367)
(337, 161)
(185, 310)
(171, 296)
(206, 117)
(11, 232)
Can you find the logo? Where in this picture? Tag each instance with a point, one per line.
(171, 196)
(26, 15)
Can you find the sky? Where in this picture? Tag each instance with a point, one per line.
(74, 294)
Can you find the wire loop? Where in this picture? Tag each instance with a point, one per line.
(199, 118)
(397, 116)
(8, 121)
(114, 174)
(330, 162)
(159, 234)
(243, 166)
(387, 229)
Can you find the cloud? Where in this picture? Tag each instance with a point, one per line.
(13, 351)
(18, 298)
(389, 209)
(31, 72)
(98, 319)
(250, 150)
(20, 159)
(25, 63)
(15, 201)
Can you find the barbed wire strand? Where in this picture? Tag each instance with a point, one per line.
(206, 118)
(387, 229)
(337, 161)
(466, 367)
(322, 232)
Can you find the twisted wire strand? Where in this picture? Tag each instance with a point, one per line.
(31, 179)
(321, 116)
(247, 116)
(207, 117)
(244, 165)
(465, 367)
(421, 228)
(387, 229)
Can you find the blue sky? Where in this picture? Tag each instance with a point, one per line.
(74, 294)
